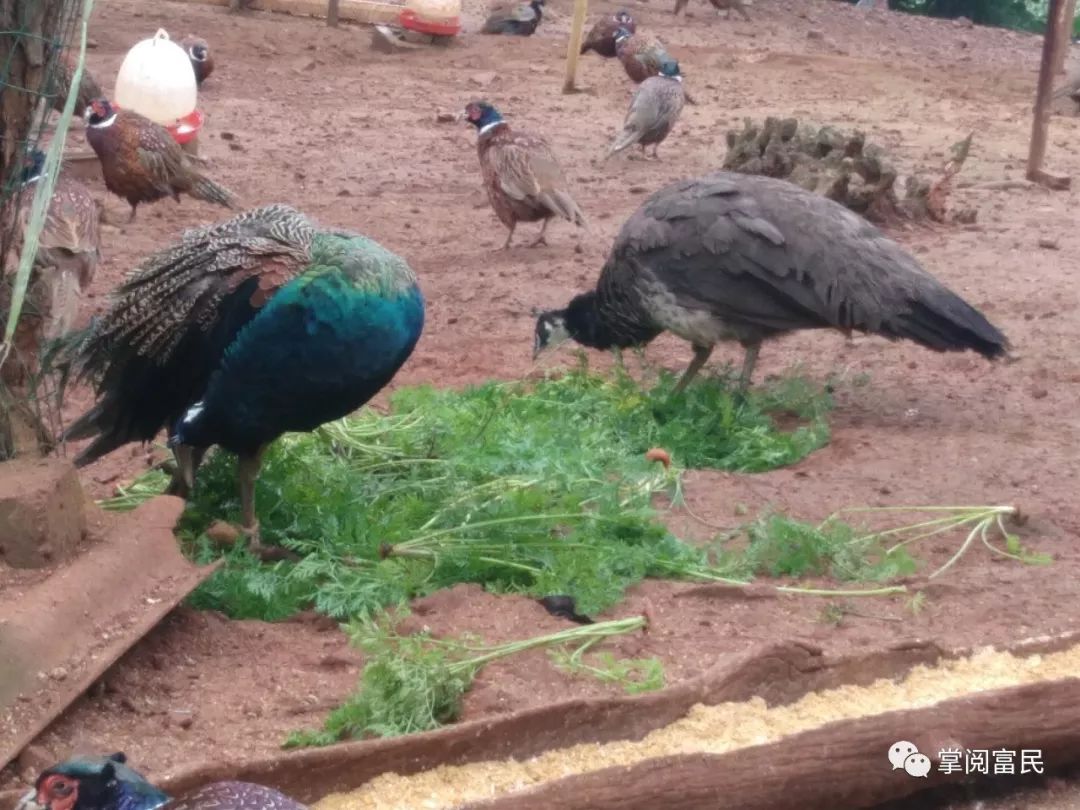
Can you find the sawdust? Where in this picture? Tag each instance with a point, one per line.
(709, 730)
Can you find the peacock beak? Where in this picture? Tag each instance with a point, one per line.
(29, 801)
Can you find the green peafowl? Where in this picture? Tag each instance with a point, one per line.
(731, 256)
(243, 331)
(108, 783)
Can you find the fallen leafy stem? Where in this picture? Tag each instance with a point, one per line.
(416, 682)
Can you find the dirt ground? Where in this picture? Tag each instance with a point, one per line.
(310, 116)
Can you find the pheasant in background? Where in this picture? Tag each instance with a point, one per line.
(653, 112)
(89, 89)
(198, 51)
(107, 783)
(641, 56)
(243, 331)
(514, 17)
(601, 37)
(719, 5)
(142, 163)
(63, 268)
(741, 257)
(523, 180)
(68, 246)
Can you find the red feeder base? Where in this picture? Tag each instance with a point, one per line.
(411, 21)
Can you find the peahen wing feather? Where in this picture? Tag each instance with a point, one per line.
(175, 316)
(766, 254)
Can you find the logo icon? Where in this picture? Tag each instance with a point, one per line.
(903, 755)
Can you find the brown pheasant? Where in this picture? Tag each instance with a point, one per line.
(89, 89)
(142, 163)
(601, 37)
(64, 265)
(522, 177)
(198, 51)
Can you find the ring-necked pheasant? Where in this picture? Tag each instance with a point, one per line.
(68, 245)
(64, 72)
(515, 17)
(241, 332)
(108, 783)
(601, 37)
(523, 179)
(653, 112)
(731, 256)
(198, 51)
(142, 163)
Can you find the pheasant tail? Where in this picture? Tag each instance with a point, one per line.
(203, 188)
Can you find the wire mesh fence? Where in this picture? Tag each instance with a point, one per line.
(36, 68)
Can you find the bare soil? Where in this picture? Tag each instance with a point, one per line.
(310, 116)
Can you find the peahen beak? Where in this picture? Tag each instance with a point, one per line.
(29, 801)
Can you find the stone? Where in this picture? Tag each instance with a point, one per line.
(42, 512)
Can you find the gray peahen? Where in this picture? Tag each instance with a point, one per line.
(740, 257)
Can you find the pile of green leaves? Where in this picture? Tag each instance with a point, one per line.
(532, 488)
(416, 682)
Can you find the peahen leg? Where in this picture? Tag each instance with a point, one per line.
(701, 354)
(509, 237)
(749, 361)
(540, 240)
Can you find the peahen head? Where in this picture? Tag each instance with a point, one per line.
(578, 321)
(33, 168)
(100, 113)
(92, 783)
(482, 115)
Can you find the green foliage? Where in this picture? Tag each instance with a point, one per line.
(416, 682)
(528, 489)
(634, 675)
(1021, 15)
(779, 546)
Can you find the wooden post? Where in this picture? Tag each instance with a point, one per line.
(334, 5)
(1041, 118)
(1065, 37)
(573, 51)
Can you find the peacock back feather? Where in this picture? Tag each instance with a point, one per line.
(245, 330)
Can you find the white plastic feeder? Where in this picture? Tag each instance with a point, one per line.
(157, 80)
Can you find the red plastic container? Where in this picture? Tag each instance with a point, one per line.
(187, 128)
(410, 20)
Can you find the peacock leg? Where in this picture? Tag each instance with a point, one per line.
(749, 361)
(540, 240)
(247, 471)
(701, 354)
(509, 236)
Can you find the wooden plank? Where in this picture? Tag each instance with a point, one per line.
(1065, 37)
(333, 9)
(573, 49)
(350, 10)
(839, 766)
(1055, 19)
(123, 585)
